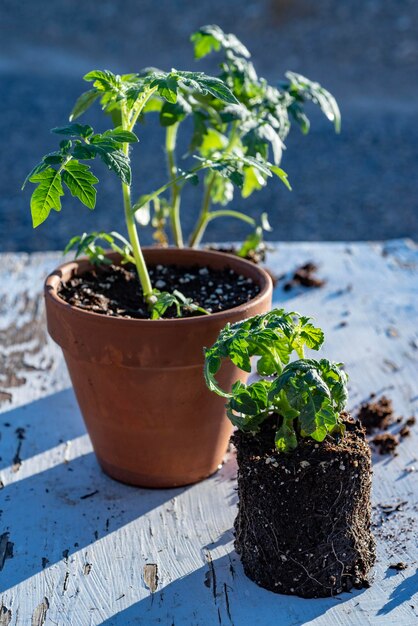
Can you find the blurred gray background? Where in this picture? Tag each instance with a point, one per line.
(361, 184)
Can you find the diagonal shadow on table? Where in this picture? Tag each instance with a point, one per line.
(46, 423)
(52, 513)
(222, 594)
(402, 593)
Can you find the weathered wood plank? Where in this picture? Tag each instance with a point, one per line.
(88, 551)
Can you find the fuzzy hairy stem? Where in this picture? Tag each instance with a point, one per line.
(170, 145)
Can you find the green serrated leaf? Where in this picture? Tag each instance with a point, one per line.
(253, 181)
(74, 130)
(80, 181)
(212, 37)
(217, 88)
(120, 135)
(204, 44)
(117, 161)
(103, 80)
(306, 88)
(167, 87)
(213, 141)
(281, 174)
(285, 438)
(40, 167)
(84, 151)
(46, 196)
(83, 103)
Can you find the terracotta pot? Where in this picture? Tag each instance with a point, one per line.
(139, 383)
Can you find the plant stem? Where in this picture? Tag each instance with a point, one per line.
(230, 213)
(141, 266)
(136, 246)
(203, 218)
(170, 145)
(202, 221)
(160, 190)
(139, 105)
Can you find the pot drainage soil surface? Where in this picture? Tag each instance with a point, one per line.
(115, 290)
(257, 257)
(303, 523)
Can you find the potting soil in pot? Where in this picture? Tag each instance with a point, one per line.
(303, 523)
(116, 291)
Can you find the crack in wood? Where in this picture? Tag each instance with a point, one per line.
(228, 608)
(5, 396)
(210, 576)
(89, 495)
(87, 569)
(66, 581)
(6, 549)
(39, 614)
(17, 461)
(151, 576)
(5, 616)
(67, 449)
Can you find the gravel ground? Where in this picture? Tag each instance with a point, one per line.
(361, 184)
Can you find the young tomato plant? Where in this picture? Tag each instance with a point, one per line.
(256, 128)
(124, 97)
(239, 126)
(307, 394)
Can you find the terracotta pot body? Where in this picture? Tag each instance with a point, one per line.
(139, 383)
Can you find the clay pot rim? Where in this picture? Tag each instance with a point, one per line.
(264, 280)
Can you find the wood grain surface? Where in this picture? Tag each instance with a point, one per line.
(77, 548)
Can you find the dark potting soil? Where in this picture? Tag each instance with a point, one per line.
(399, 567)
(385, 443)
(305, 276)
(255, 256)
(376, 414)
(116, 291)
(303, 523)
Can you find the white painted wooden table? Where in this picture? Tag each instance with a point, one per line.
(79, 549)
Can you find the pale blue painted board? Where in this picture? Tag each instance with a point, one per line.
(80, 560)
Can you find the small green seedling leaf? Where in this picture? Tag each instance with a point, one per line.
(83, 103)
(120, 135)
(74, 130)
(80, 181)
(163, 300)
(307, 395)
(46, 196)
(212, 38)
(305, 88)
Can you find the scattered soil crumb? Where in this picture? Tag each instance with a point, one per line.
(398, 566)
(405, 431)
(385, 443)
(305, 276)
(388, 509)
(376, 414)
